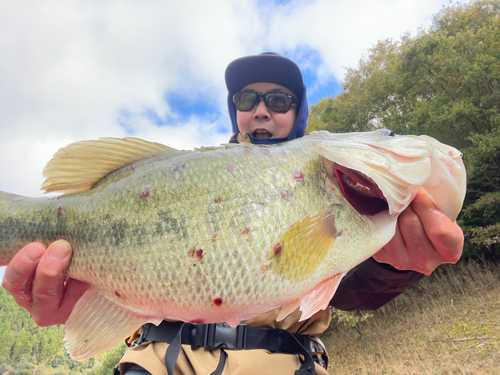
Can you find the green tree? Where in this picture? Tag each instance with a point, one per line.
(444, 82)
(23, 346)
(109, 360)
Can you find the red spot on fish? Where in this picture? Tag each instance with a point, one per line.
(218, 301)
(248, 150)
(298, 176)
(266, 151)
(145, 192)
(230, 168)
(196, 253)
(265, 268)
(246, 231)
(117, 294)
(197, 321)
(284, 193)
(277, 250)
(450, 153)
(214, 238)
(199, 254)
(59, 211)
(175, 168)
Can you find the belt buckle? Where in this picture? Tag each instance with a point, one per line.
(141, 338)
(221, 335)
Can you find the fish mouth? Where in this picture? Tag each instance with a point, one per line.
(360, 191)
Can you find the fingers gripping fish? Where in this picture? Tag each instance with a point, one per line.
(222, 234)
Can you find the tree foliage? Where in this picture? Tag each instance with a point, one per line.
(443, 82)
(28, 349)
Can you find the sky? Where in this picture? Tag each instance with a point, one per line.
(75, 70)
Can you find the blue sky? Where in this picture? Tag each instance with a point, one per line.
(155, 69)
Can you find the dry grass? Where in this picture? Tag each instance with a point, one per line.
(447, 324)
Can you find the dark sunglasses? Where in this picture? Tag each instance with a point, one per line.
(277, 101)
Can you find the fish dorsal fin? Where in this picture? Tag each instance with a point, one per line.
(304, 245)
(80, 165)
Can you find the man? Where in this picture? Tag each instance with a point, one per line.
(267, 104)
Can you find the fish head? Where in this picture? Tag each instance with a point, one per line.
(379, 171)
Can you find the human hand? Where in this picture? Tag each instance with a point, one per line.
(425, 238)
(36, 278)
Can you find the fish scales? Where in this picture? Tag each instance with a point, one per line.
(218, 234)
(109, 225)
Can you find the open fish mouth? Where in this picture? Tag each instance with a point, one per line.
(360, 191)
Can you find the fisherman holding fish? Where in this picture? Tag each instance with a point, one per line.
(267, 105)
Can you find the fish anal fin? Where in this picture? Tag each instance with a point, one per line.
(318, 298)
(304, 245)
(80, 165)
(97, 324)
(288, 309)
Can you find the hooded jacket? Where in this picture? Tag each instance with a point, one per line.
(267, 67)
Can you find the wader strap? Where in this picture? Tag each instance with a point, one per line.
(221, 336)
(173, 351)
(222, 363)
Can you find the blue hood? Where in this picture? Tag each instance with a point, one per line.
(268, 67)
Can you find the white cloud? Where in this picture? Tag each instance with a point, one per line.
(343, 30)
(69, 68)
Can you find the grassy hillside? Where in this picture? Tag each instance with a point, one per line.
(447, 324)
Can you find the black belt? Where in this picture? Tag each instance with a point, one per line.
(242, 337)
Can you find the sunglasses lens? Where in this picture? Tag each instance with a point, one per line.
(245, 100)
(278, 101)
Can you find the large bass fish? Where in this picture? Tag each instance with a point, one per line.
(226, 233)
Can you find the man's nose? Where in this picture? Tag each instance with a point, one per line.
(261, 110)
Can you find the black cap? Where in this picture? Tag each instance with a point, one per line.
(266, 67)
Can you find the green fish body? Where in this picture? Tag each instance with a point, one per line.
(221, 234)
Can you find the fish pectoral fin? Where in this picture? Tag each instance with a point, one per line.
(319, 297)
(80, 165)
(97, 324)
(304, 245)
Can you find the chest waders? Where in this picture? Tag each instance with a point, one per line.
(221, 336)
